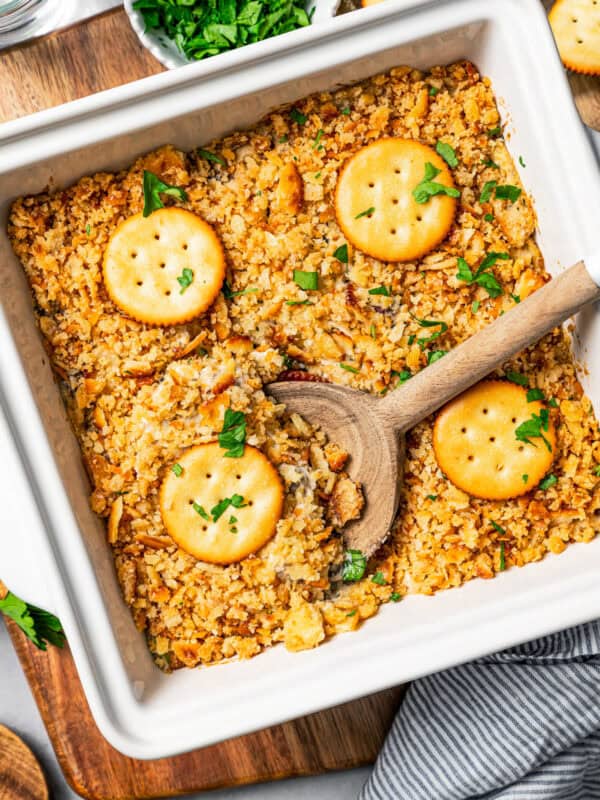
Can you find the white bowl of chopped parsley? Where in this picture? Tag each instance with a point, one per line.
(180, 32)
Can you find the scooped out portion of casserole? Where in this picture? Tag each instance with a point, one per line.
(354, 237)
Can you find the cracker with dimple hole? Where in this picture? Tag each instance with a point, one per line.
(164, 269)
(476, 445)
(375, 206)
(576, 28)
(205, 479)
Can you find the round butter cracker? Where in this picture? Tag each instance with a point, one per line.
(164, 269)
(476, 446)
(576, 28)
(205, 479)
(374, 201)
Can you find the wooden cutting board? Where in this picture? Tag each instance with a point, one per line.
(101, 53)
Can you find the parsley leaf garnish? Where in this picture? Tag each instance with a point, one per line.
(482, 277)
(488, 217)
(489, 163)
(494, 133)
(345, 111)
(153, 188)
(549, 480)
(502, 557)
(298, 116)
(596, 471)
(447, 153)
(211, 157)
(522, 162)
(395, 597)
(508, 192)
(236, 500)
(298, 303)
(403, 376)
(535, 394)
(177, 470)
(200, 510)
(516, 377)
(38, 625)
(316, 144)
(534, 428)
(309, 281)
(430, 323)
(355, 564)
(487, 190)
(233, 434)
(498, 528)
(382, 290)
(432, 497)
(525, 478)
(349, 368)
(367, 212)
(379, 579)
(88, 229)
(433, 90)
(475, 306)
(428, 188)
(435, 355)
(341, 253)
(185, 279)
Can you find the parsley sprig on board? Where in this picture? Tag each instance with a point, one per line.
(208, 27)
(38, 625)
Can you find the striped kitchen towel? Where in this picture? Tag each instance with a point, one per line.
(523, 724)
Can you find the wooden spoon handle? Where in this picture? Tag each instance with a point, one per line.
(474, 359)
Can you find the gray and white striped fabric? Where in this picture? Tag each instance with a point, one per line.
(523, 724)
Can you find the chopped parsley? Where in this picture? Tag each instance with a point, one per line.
(489, 163)
(298, 303)
(201, 30)
(395, 597)
(433, 90)
(429, 188)
(177, 470)
(494, 133)
(186, 279)
(430, 323)
(345, 111)
(366, 213)
(596, 471)
(502, 557)
(298, 116)
(488, 217)
(508, 192)
(516, 377)
(552, 403)
(432, 497)
(535, 394)
(309, 281)
(403, 376)
(351, 613)
(487, 190)
(153, 188)
(525, 478)
(475, 306)
(522, 162)
(498, 528)
(447, 153)
(379, 579)
(88, 229)
(373, 331)
(236, 500)
(206, 154)
(482, 277)
(317, 175)
(435, 355)
(317, 141)
(354, 566)
(534, 428)
(516, 298)
(382, 290)
(283, 139)
(229, 294)
(549, 480)
(349, 368)
(200, 510)
(341, 253)
(38, 625)
(233, 434)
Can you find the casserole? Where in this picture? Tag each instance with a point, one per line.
(149, 715)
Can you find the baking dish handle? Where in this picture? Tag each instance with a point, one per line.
(21, 564)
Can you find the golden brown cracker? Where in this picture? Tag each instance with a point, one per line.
(576, 28)
(164, 269)
(202, 479)
(476, 446)
(375, 206)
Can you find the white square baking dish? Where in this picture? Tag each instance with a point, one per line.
(53, 550)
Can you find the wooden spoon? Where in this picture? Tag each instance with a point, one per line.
(372, 428)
